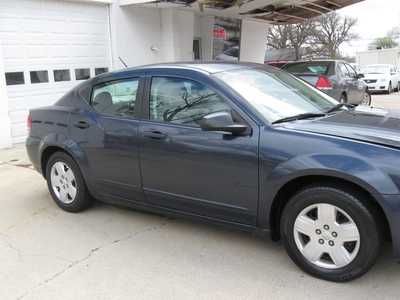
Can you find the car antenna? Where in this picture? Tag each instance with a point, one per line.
(122, 61)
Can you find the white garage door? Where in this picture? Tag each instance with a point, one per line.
(48, 47)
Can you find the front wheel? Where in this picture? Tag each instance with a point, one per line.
(329, 233)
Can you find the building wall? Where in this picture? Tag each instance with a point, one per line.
(135, 31)
(5, 128)
(150, 35)
(203, 29)
(253, 43)
(384, 56)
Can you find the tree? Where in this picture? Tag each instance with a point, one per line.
(323, 36)
(383, 43)
(299, 36)
(331, 31)
(394, 33)
(293, 36)
(278, 37)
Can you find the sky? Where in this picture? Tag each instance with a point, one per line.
(375, 19)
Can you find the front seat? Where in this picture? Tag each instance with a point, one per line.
(103, 102)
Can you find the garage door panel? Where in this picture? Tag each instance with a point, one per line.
(47, 35)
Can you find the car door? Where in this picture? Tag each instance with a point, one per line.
(357, 85)
(343, 81)
(109, 136)
(212, 174)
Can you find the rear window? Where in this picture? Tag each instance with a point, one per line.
(313, 67)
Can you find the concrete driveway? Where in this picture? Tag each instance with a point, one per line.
(391, 101)
(112, 253)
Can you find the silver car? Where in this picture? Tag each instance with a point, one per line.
(336, 78)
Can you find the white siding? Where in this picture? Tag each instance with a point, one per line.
(46, 35)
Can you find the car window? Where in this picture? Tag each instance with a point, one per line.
(183, 101)
(343, 70)
(276, 94)
(311, 67)
(116, 98)
(352, 73)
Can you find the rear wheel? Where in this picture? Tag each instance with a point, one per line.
(329, 233)
(66, 183)
(366, 99)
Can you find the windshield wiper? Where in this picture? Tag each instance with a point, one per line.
(299, 117)
(339, 106)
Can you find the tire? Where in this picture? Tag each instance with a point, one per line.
(343, 98)
(390, 90)
(333, 259)
(69, 192)
(366, 99)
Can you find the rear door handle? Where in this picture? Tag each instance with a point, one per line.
(82, 124)
(154, 134)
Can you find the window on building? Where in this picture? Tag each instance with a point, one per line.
(82, 74)
(98, 71)
(62, 75)
(183, 101)
(39, 76)
(116, 98)
(14, 78)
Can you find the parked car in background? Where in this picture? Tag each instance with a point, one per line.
(336, 78)
(229, 55)
(244, 145)
(381, 78)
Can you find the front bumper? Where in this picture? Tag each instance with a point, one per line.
(378, 86)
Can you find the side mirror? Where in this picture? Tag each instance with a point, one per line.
(360, 76)
(222, 121)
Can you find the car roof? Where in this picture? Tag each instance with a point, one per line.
(314, 60)
(205, 67)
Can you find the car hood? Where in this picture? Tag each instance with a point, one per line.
(366, 124)
(376, 76)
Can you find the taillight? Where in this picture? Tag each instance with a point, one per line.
(29, 123)
(323, 83)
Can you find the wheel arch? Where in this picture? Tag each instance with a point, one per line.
(47, 153)
(57, 142)
(295, 185)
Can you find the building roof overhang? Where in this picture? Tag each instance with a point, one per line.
(271, 11)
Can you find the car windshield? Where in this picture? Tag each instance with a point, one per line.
(375, 70)
(277, 94)
(312, 67)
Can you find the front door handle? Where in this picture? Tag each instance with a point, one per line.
(82, 124)
(154, 134)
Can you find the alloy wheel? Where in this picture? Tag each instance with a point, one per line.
(366, 99)
(326, 236)
(63, 182)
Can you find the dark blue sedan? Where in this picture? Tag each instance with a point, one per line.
(247, 146)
